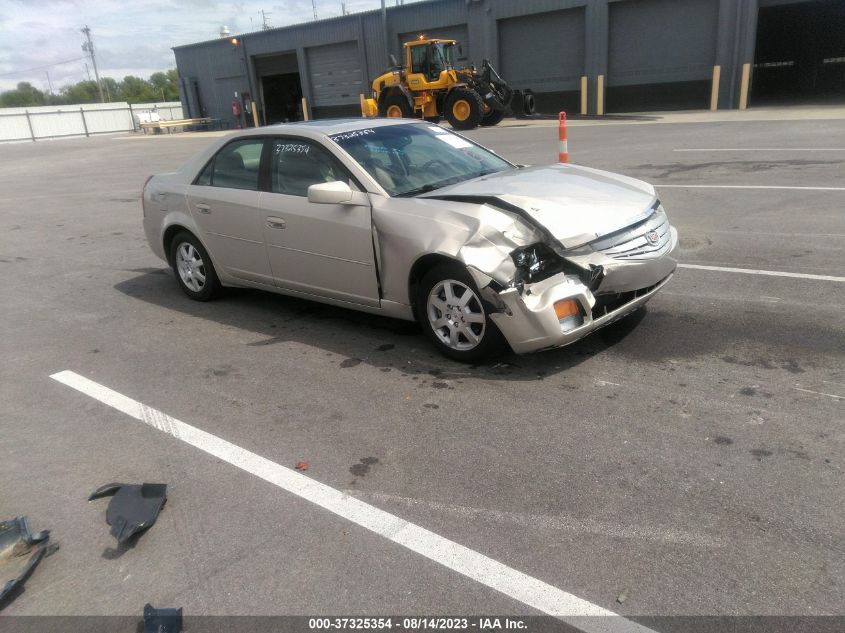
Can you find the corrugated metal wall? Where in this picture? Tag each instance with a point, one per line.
(544, 45)
(21, 124)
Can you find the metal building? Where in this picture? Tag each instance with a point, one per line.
(636, 55)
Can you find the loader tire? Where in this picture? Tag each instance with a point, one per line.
(395, 106)
(494, 117)
(463, 109)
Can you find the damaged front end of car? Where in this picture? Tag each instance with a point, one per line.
(542, 294)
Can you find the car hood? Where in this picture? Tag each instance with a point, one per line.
(574, 204)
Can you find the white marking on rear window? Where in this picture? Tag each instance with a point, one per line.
(292, 148)
(353, 134)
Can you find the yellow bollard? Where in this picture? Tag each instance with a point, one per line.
(584, 94)
(714, 90)
(361, 98)
(254, 114)
(743, 87)
(600, 95)
(305, 116)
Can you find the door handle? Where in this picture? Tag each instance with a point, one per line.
(276, 223)
(203, 208)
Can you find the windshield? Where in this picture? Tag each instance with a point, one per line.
(449, 51)
(415, 158)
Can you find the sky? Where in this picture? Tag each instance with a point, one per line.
(131, 37)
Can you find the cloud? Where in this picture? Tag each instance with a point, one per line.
(129, 37)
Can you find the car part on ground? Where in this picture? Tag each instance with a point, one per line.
(133, 508)
(359, 213)
(20, 551)
(430, 85)
(165, 620)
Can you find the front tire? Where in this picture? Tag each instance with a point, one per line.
(395, 106)
(463, 109)
(455, 317)
(192, 265)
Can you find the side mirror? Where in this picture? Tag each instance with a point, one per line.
(335, 192)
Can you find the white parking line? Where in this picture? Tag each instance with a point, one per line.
(549, 522)
(750, 187)
(820, 393)
(761, 149)
(491, 573)
(771, 273)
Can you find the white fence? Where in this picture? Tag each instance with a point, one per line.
(31, 124)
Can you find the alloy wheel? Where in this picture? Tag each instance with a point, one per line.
(190, 266)
(456, 315)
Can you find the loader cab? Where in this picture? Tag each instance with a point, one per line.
(429, 63)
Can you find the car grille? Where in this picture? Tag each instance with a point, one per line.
(632, 242)
(605, 304)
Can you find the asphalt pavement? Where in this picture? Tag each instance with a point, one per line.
(689, 457)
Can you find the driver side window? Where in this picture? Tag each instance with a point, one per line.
(418, 56)
(296, 164)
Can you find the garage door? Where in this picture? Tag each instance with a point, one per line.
(336, 77)
(544, 51)
(457, 32)
(657, 41)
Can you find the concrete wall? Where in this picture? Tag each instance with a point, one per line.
(653, 53)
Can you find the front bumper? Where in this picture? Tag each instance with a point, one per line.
(528, 320)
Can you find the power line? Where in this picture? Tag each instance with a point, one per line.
(45, 66)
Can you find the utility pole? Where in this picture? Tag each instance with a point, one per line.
(88, 47)
(87, 72)
(49, 83)
(314, 6)
(265, 26)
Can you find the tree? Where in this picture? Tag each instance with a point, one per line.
(166, 85)
(24, 95)
(161, 86)
(82, 92)
(136, 90)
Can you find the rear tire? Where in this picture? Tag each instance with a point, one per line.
(455, 317)
(192, 265)
(494, 117)
(463, 109)
(395, 106)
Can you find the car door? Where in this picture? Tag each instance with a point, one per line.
(320, 249)
(224, 202)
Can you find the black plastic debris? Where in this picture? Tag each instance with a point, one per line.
(133, 508)
(20, 551)
(162, 620)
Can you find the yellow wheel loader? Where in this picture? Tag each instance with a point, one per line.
(430, 85)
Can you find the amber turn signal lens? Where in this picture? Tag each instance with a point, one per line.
(566, 308)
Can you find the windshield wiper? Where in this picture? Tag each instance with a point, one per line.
(444, 183)
(419, 190)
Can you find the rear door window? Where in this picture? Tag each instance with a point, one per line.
(236, 166)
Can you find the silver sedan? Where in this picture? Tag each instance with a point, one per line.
(412, 221)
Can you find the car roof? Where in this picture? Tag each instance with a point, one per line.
(327, 126)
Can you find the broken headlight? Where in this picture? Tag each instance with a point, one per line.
(535, 262)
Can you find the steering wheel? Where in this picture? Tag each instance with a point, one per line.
(433, 162)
